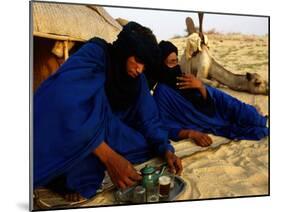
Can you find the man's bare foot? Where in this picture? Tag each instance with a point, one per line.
(74, 197)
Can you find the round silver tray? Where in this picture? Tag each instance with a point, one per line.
(126, 196)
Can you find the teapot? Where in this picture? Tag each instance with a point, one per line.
(150, 175)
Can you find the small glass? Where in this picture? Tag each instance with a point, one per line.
(152, 193)
(119, 197)
(123, 196)
(139, 195)
(172, 176)
(164, 186)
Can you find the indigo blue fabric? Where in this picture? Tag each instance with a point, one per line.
(231, 118)
(72, 116)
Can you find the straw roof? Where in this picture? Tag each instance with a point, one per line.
(73, 22)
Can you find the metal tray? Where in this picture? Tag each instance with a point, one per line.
(126, 196)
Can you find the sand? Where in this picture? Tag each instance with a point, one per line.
(236, 169)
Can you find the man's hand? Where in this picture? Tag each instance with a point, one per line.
(188, 81)
(121, 171)
(201, 139)
(174, 163)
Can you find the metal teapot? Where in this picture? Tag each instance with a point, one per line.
(150, 175)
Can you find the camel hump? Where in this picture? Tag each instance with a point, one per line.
(190, 25)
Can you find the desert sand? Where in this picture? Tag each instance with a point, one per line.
(236, 169)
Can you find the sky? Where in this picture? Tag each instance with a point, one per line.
(166, 24)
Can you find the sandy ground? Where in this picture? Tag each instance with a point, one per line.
(237, 53)
(235, 169)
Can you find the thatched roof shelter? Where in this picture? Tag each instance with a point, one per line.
(59, 29)
(73, 22)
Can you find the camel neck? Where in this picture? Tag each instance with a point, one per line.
(234, 81)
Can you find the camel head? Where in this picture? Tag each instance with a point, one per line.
(256, 84)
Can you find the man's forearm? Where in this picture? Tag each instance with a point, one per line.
(103, 152)
(184, 134)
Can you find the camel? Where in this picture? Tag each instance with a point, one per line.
(199, 62)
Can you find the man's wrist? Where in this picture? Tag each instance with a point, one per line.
(168, 153)
(185, 134)
(103, 152)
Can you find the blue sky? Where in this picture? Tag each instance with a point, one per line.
(166, 24)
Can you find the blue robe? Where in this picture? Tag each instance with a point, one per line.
(72, 116)
(228, 117)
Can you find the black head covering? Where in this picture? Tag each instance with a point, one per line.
(169, 76)
(166, 74)
(166, 48)
(133, 40)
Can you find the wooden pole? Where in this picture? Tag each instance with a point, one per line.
(65, 48)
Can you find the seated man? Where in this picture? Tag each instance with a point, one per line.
(96, 113)
(189, 109)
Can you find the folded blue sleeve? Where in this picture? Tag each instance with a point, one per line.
(149, 122)
(174, 134)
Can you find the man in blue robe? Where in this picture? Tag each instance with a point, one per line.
(96, 113)
(190, 109)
